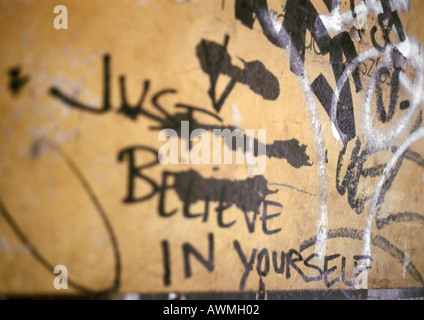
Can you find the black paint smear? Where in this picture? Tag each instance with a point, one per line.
(215, 60)
(244, 13)
(17, 81)
(345, 120)
(300, 16)
(291, 150)
(246, 10)
(377, 241)
(247, 195)
(342, 44)
(43, 261)
(404, 105)
(191, 187)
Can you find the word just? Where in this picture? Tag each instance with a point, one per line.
(246, 147)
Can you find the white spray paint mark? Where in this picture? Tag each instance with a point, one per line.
(322, 223)
(379, 140)
(374, 6)
(375, 139)
(400, 5)
(276, 24)
(366, 246)
(8, 248)
(336, 22)
(332, 22)
(405, 258)
(335, 133)
(235, 114)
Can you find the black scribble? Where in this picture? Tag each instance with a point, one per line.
(247, 195)
(17, 80)
(215, 60)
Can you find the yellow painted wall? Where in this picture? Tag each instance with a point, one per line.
(323, 205)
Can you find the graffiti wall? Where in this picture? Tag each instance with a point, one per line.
(160, 146)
